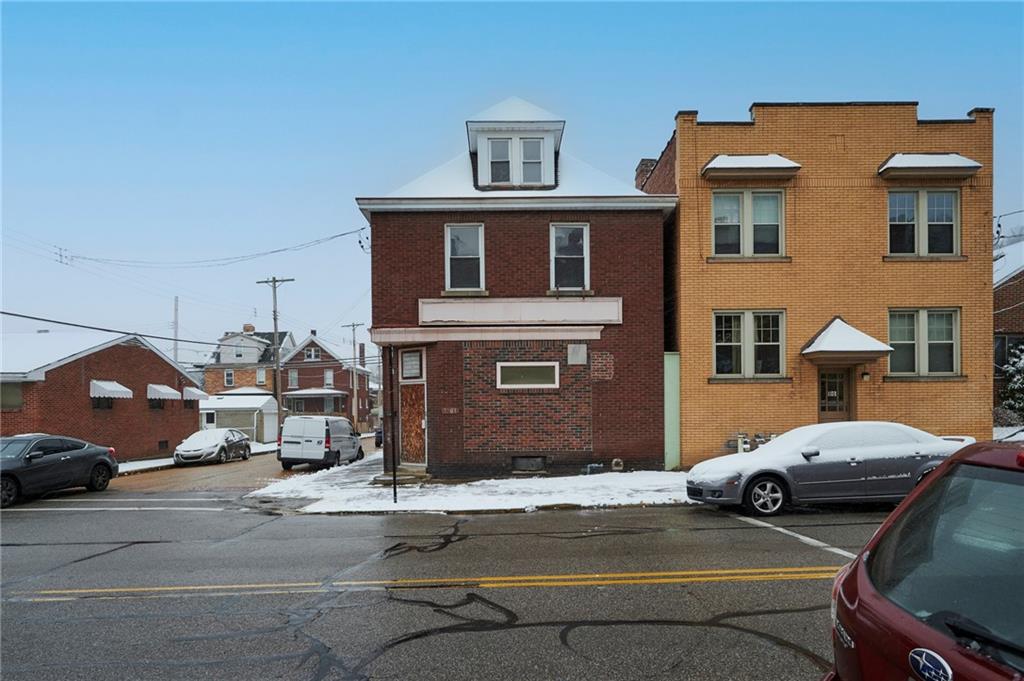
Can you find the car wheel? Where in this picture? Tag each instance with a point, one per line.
(222, 456)
(99, 478)
(765, 496)
(360, 455)
(286, 466)
(246, 453)
(8, 491)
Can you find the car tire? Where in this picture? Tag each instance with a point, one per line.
(360, 455)
(99, 478)
(9, 491)
(765, 495)
(286, 466)
(246, 453)
(222, 456)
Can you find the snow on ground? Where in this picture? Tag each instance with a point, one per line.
(125, 467)
(348, 489)
(263, 447)
(1013, 433)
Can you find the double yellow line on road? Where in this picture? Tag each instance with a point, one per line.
(497, 582)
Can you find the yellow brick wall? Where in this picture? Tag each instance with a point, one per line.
(213, 381)
(836, 232)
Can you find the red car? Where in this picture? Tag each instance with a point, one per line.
(938, 592)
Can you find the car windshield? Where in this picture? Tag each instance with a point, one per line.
(956, 556)
(12, 449)
(205, 438)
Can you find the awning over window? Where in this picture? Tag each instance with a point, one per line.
(726, 166)
(928, 165)
(157, 391)
(315, 392)
(839, 343)
(190, 393)
(109, 389)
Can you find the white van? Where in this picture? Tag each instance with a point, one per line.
(318, 440)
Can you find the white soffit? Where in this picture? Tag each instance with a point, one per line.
(158, 391)
(516, 311)
(109, 389)
(190, 393)
(928, 165)
(750, 165)
(417, 335)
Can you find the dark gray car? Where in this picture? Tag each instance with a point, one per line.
(37, 463)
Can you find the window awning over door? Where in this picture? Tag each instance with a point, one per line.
(838, 343)
(109, 389)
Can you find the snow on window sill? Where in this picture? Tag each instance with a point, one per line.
(899, 378)
(749, 258)
(465, 293)
(564, 292)
(924, 258)
(750, 379)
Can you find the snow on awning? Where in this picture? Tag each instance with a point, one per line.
(928, 165)
(724, 166)
(109, 389)
(157, 391)
(315, 392)
(840, 343)
(190, 393)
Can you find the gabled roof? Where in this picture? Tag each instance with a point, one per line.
(839, 339)
(516, 109)
(336, 351)
(1008, 264)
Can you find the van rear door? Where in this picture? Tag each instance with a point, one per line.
(303, 438)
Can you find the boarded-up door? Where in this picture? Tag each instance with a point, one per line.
(414, 446)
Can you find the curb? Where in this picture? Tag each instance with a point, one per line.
(165, 466)
(488, 511)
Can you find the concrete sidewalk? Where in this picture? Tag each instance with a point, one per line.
(130, 467)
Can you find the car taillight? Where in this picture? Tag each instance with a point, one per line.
(327, 440)
(279, 439)
(111, 451)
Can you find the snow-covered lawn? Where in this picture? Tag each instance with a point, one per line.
(347, 489)
(1014, 433)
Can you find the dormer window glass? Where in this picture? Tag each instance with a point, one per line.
(533, 161)
(501, 161)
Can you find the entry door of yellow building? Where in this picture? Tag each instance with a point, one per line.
(834, 395)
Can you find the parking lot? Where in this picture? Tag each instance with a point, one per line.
(169, 575)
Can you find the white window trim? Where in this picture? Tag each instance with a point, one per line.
(547, 171)
(921, 342)
(519, 386)
(586, 255)
(261, 376)
(291, 373)
(511, 160)
(747, 223)
(523, 161)
(423, 366)
(311, 354)
(328, 378)
(448, 257)
(921, 221)
(229, 378)
(747, 344)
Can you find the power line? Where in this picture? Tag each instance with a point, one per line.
(100, 328)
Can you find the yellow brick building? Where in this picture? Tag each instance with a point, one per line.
(808, 212)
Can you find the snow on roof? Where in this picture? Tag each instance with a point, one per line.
(24, 351)
(735, 162)
(342, 353)
(928, 161)
(1009, 265)
(314, 392)
(246, 391)
(454, 179)
(240, 402)
(515, 109)
(839, 336)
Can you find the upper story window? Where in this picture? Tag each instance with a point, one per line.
(464, 257)
(238, 352)
(533, 161)
(328, 378)
(501, 161)
(293, 378)
(261, 376)
(312, 354)
(507, 160)
(749, 343)
(924, 342)
(924, 222)
(747, 223)
(229, 378)
(570, 257)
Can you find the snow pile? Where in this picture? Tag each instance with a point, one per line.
(348, 489)
(1008, 434)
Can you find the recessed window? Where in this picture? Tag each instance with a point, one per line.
(156, 404)
(412, 365)
(210, 418)
(328, 378)
(501, 161)
(299, 406)
(747, 223)
(238, 352)
(570, 257)
(229, 378)
(464, 257)
(527, 374)
(328, 405)
(749, 343)
(1004, 347)
(103, 403)
(11, 396)
(312, 353)
(261, 376)
(924, 223)
(293, 378)
(924, 342)
(188, 404)
(533, 164)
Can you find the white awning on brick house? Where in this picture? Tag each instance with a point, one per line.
(109, 389)
(725, 166)
(314, 392)
(190, 393)
(158, 391)
(928, 165)
(839, 343)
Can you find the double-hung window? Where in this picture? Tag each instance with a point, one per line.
(924, 342)
(261, 376)
(749, 343)
(501, 161)
(229, 378)
(532, 160)
(747, 223)
(464, 257)
(311, 354)
(328, 378)
(570, 257)
(293, 378)
(924, 222)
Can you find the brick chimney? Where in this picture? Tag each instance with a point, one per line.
(643, 171)
(312, 332)
(362, 354)
(248, 328)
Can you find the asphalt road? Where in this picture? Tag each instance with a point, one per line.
(176, 579)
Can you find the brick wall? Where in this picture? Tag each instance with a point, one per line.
(311, 375)
(213, 378)
(61, 404)
(836, 233)
(1011, 321)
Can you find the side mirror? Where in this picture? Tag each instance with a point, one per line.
(37, 454)
(809, 452)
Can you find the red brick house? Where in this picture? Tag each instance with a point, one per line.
(317, 378)
(517, 296)
(1007, 309)
(110, 389)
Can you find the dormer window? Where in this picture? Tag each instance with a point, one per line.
(533, 161)
(312, 354)
(501, 161)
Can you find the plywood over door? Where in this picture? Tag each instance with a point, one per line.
(414, 446)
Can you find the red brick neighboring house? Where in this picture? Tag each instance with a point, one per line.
(114, 390)
(517, 295)
(316, 378)
(1007, 309)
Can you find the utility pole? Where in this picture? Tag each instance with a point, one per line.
(175, 328)
(274, 282)
(355, 377)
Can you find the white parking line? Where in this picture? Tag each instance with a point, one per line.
(64, 509)
(810, 541)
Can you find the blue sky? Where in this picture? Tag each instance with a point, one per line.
(192, 130)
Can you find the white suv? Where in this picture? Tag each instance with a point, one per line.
(318, 440)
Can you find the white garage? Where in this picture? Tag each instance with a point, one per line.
(254, 415)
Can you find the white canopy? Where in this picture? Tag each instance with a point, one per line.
(158, 391)
(314, 392)
(745, 165)
(190, 393)
(839, 340)
(109, 389)
(913, 165)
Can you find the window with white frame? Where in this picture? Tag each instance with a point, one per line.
(412, 365)
(924, 342)
(747, 223)
(229, 378)
(532, 156)
(328, 405)
(749, 343)
(293, 378)
(298, 406)
(520, 375)
(464, 257)
(570, 256)
(312, 353)
(500, 160)
(924, 222)
(328, 378)
(261, 376)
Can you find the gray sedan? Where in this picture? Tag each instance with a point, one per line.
(37, 463)
(213, 444)
(827, 462)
